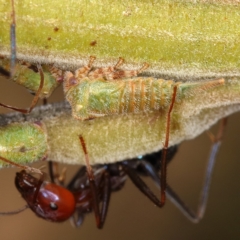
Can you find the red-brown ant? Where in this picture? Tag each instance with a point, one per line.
(86, 192)
(56, 203)
(53, 202)
(48, 200)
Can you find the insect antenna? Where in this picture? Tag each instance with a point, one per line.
(14, 212)
(30, 169)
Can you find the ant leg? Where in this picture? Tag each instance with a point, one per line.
(192, 216)
(216, 142)
(55, 175)
(104, 186)
(30, 169)
(35, 99)
(140, 184)
(175, 199)
(138, 181)
(91, 183)
(105, 197)
(163, 182)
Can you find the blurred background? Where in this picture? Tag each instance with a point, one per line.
(131, 215)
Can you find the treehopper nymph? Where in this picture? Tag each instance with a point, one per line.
(111, 91)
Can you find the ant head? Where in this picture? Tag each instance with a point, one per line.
(48, 200)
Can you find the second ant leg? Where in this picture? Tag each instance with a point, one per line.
(103, 190)
(91, 183)
(173, 197)
(163, 182)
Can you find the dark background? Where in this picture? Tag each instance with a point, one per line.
(131, 215)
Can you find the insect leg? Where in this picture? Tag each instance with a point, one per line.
(35, 99)
(105, 196)
(216, 142)
(195, 217)
(105, 71)
(104, 187)
(55, 175)
(91, 183)
(140, 184)
(163, 182)
(83, 71)
(71, 79)
(125, 74)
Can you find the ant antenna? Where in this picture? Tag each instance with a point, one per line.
(14, 212)
(30, 169)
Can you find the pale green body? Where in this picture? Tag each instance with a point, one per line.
(98, 97)
(23, 143)
(30, 79)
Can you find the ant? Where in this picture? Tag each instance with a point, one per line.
(89, 170)
(53, 202)
(86, 192)
(99, 213)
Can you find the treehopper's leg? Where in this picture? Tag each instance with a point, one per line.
(35, 99)
(121, 74)
(83, 71)
(105, 72)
